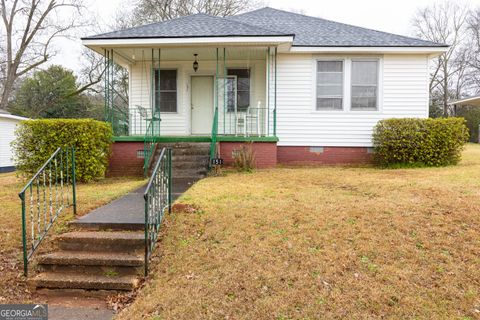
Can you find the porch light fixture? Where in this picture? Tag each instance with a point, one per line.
(195, 63)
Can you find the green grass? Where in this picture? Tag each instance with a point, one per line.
(327, 242)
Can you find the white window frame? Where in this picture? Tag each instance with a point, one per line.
(344, 65)
(347, 74)
(379, 67)
(177, 91)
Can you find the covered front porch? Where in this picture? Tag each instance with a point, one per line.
(193, 93)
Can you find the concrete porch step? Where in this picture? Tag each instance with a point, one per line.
(70, 280)
(181, 165)
(84, 258)
(199, 158)
(101, 241)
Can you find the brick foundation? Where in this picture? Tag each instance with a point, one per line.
(124, 160)
(265, 153)
(323, 155)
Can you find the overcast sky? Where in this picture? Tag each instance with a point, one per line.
(385, 15)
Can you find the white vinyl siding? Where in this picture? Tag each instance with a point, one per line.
(402, 92)
(178, 124)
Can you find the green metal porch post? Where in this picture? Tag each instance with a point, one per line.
(275, 98)
(74, 183)
(268, 91)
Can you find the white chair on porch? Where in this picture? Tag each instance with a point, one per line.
(252, 120)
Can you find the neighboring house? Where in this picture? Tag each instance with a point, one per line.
(471, 101)
(8, 123)
(303, 89)
(468, 102)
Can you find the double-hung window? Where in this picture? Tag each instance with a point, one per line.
(242, 88)
(364, 85)
(330, 85)
(166, 90)
(348, 82)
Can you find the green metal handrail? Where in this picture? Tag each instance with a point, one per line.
(48, 194)
(213, 142)
(149, 142)
(158, 199)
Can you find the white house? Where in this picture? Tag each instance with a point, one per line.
(303, 89)
(8, 123)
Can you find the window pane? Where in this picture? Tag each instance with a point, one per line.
(243, 84)
(330, 77)
(167, 101)
(168, 79)
(230, 86)
(329, 85)
(364, 103)
(243, 90)
(364, 91)
(329, 66)
(364, 85)
(243, 100)
(364, 72)
(333, 90)
(329, 103)
(244, 73)
(364, 98)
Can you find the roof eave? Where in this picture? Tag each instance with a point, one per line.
(182, 41)
(475, 101)
(430, 50)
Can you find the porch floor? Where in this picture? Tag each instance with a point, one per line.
(127, 212)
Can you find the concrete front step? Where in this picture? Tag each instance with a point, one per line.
(92, 270)
(85, 258)
(196, 158)
(70, 280)
(102, 241)
(182, 165)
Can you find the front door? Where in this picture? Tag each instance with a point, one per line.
(202, 104)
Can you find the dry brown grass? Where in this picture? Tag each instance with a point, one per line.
(331, 242)
(89, 196)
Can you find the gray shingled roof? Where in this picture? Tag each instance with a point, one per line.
(307, 31)
(197, 25)
(317, 32)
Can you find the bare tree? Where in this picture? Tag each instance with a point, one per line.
(473, 49)
(29, 29)
(149, 11)
(444, 23)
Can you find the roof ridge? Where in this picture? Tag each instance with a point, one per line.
(339, 23)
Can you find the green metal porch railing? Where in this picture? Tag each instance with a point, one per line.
(158, 199)
(44, 197)
(150, 143)
(213, 142)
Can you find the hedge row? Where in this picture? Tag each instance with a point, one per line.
(36, 140)
(428, 142)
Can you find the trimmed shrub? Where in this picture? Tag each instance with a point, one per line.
(36, 140)
(419, 142)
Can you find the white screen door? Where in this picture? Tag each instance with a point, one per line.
(202, 104)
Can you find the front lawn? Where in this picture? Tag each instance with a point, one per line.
(89, 196)
(330, 242)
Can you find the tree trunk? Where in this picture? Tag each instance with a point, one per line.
(445, 91)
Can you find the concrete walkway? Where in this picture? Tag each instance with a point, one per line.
(127, 212)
